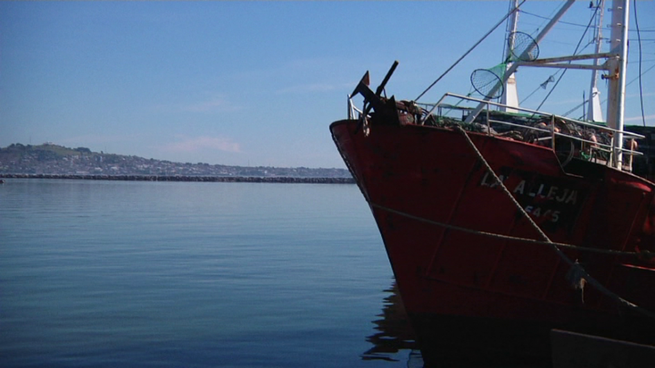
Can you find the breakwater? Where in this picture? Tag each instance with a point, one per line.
(228, 179)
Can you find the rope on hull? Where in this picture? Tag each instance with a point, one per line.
(576, 268)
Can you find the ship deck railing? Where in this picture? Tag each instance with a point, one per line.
(599, 152)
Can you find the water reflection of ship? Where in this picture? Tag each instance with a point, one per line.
(394, 332)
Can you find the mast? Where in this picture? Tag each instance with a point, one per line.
(594, 108)
(617, 66)
(510, 95)
(515, 65)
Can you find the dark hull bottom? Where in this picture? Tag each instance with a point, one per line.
(464, 342)
(476, 342)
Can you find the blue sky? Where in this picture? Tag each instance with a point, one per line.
(254, 83)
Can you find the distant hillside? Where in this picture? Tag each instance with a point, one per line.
(52, 159)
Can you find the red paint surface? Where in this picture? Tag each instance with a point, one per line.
(434, 176)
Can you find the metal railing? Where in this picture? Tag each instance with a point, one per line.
(534, 115)
(597, 150)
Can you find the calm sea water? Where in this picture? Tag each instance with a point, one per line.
(138, 274)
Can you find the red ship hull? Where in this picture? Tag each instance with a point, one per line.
(465, 258)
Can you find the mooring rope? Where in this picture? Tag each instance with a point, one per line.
(507, 237)
(576, 268)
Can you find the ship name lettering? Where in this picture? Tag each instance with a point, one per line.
(536, 190)
(552, 193)
(489, 181)
(538, 212)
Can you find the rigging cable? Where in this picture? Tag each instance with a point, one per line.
(605, 99)
(541, 86)
(641, 91)
(561, 22)
(507, 31)
(469, 51)
(639, 75)
(574, 53)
